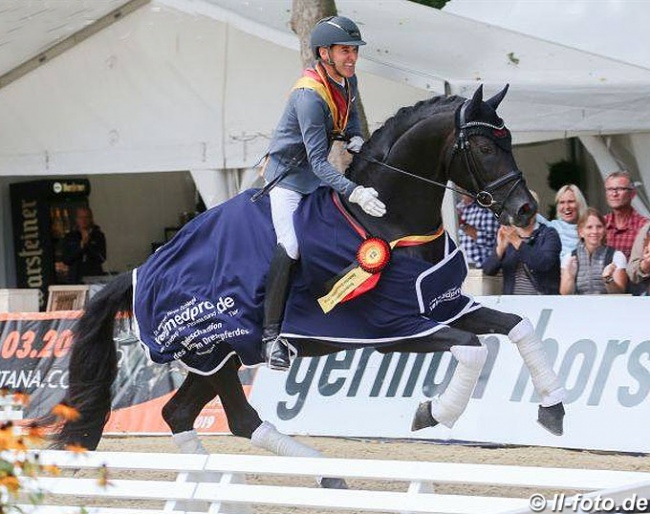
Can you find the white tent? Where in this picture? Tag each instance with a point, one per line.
(188, 84)
(199, 84)
(616, 29)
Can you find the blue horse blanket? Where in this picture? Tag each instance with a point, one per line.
(199, 298)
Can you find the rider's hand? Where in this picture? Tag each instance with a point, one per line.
(355, 144)
(367, 198)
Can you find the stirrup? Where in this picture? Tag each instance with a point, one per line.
(276, 354)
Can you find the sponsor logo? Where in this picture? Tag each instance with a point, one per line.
(585, 367)
(30, 250)
(448, 296)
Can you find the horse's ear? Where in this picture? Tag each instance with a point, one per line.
(496, 99)
(473, 109)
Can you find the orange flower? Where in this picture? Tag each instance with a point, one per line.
(21, 398)
(52, 469)
(11, 483)
(76, 448)
(103, 480)
(7, 436)
(65, 412)
(34, 433)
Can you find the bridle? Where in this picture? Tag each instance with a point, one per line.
(484, 195)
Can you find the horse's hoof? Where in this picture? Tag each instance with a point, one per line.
(552, 418)
(423, 417)
(276, 354)
(333, 483)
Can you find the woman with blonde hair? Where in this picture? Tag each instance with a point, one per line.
(570, 206)
(593, 267)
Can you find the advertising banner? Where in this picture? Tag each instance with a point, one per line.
(35, 350)
(599, 346)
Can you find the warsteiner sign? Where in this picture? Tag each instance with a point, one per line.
(599, 347)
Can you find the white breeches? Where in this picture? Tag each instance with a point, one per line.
(284, 203)
(448, 407)
(530, 347)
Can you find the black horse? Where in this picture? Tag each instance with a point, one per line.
(409, 161)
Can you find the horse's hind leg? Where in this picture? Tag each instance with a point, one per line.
(182, 409)
(522, 333)
(262, 434)
(243, 420)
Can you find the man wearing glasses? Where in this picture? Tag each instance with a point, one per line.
(623, 221)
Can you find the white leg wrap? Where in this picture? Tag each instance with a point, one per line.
(448, 407)
(189, 442)
(530, 347)
(267, 437)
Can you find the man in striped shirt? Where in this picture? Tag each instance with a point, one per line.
(478, 231)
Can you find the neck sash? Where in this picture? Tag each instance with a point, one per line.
(316, 79)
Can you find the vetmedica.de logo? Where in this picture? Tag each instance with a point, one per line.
(594, 371)
(189, 314)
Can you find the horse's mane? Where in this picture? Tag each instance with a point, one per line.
(384, 137)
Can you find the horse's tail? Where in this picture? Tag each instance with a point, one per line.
(93, 365)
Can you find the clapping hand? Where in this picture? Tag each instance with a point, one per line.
(572, 268)
(608, 272)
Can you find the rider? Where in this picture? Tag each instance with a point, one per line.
(321, 107)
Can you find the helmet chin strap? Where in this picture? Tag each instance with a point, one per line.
(331, 63)
(329, 59)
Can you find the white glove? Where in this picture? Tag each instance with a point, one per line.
(367, 198)
(355, 144)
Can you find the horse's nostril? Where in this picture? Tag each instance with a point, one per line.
(526, 210)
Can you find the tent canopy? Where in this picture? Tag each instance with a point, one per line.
(198, 84)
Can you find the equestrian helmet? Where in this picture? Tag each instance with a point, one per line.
(335, 30)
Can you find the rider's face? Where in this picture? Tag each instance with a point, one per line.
(343, 59)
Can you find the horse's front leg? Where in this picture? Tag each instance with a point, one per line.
(522, 333)
(447, 407)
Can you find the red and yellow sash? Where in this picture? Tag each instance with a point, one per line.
(358, 279)
(339, 106)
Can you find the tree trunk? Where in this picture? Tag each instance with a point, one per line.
(304, 15)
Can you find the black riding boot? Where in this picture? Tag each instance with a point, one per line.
(274, 348)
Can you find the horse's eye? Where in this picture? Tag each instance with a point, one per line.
(486, 149)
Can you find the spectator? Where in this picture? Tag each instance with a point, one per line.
(478, 230)
(529, 258)
(638, 268)
(84, 248)
(570, 205)
(623, 221)
(593, 267)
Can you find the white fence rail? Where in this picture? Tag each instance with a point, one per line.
(216, 484)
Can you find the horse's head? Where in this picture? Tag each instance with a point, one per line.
(481, 161)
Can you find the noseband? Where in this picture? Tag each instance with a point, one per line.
(484, 195)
